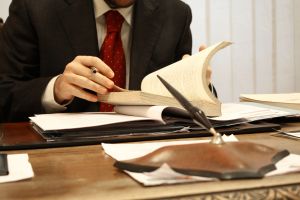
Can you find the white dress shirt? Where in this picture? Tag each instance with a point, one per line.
(100, 8)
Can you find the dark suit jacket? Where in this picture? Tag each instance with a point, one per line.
(40, 37)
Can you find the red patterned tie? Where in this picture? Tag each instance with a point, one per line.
(112, 52)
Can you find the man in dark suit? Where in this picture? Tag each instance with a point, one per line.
(54, 43)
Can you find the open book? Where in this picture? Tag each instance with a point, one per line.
(188, 76)
(284, 100)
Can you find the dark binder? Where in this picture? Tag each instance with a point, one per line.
(23, 136)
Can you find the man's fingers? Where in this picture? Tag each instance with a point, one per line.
(97, 77)
(78, 76)
(84, 82)
(185, 56)
(80, 93)
(102, 80)
(65, 90)
(202, 47)
(91, 61)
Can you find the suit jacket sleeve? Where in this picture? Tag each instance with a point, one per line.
(21, 87)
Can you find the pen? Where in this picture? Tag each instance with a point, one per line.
(94, 70)
(196, 114)
(115, 87)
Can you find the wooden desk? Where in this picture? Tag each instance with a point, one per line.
(85, 172)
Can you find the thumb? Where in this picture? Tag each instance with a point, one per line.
(202, 47)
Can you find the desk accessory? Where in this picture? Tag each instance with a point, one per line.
(219, 159)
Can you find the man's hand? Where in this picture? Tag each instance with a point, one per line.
(78, 76)
(209, 70)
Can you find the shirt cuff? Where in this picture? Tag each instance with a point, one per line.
(48, 101)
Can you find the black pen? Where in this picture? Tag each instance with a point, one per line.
(196, 114)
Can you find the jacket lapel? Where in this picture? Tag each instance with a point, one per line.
(146, 28)
(79, 23)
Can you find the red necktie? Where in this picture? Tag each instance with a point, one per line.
(112, 52)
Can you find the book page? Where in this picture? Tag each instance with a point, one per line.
(158, 113)
(153, 112)
(188, 76)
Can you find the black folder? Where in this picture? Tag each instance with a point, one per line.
(30, 139)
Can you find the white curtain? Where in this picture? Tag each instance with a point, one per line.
(4, 4)
(264, 57)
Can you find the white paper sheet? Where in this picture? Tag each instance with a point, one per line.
(295, 135)
(58, 121)
(19, 168)
(251, 111)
